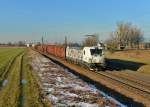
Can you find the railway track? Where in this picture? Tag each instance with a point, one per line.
(131, 85)
(144, 85)
(145, 79)
(136, 89)
(141, 92)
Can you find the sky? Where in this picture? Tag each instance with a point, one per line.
(29, 20)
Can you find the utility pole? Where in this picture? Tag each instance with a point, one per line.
(42, 42)
(65, 44)
(65, 41)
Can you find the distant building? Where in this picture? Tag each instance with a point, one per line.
(28, 45)
(33, 45)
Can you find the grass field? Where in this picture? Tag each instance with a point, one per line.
(18, 83)
(7, 56)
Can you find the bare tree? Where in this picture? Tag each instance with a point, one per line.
(123, 34)
(112, 42)
(10, 44)
(91, 40)
(136, 37)
(126, 35)
(21, 43)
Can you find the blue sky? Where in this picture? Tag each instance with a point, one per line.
(55, 19)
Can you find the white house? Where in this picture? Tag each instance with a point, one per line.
(28, 45)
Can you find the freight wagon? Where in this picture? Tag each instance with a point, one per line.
(91, 57)
(56, 50)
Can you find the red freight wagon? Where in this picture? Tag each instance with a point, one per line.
(56, 50)
(50, 49)
(60, 51)
(44, 48)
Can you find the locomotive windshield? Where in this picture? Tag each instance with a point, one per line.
(96, 51)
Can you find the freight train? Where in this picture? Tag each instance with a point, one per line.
(92, 58)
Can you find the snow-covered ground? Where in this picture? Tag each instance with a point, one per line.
(64, 89)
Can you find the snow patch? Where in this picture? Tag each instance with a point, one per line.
(88, 105)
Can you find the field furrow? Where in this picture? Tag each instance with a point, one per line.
(10, 92)
(18, 82)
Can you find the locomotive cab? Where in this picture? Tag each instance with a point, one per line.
(94, 57)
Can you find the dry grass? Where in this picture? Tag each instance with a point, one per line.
(141, 56)
(144, 69)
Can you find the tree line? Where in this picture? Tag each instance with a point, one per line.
(125, 36)
(19, 43)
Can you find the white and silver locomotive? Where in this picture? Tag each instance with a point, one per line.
(91, 57)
